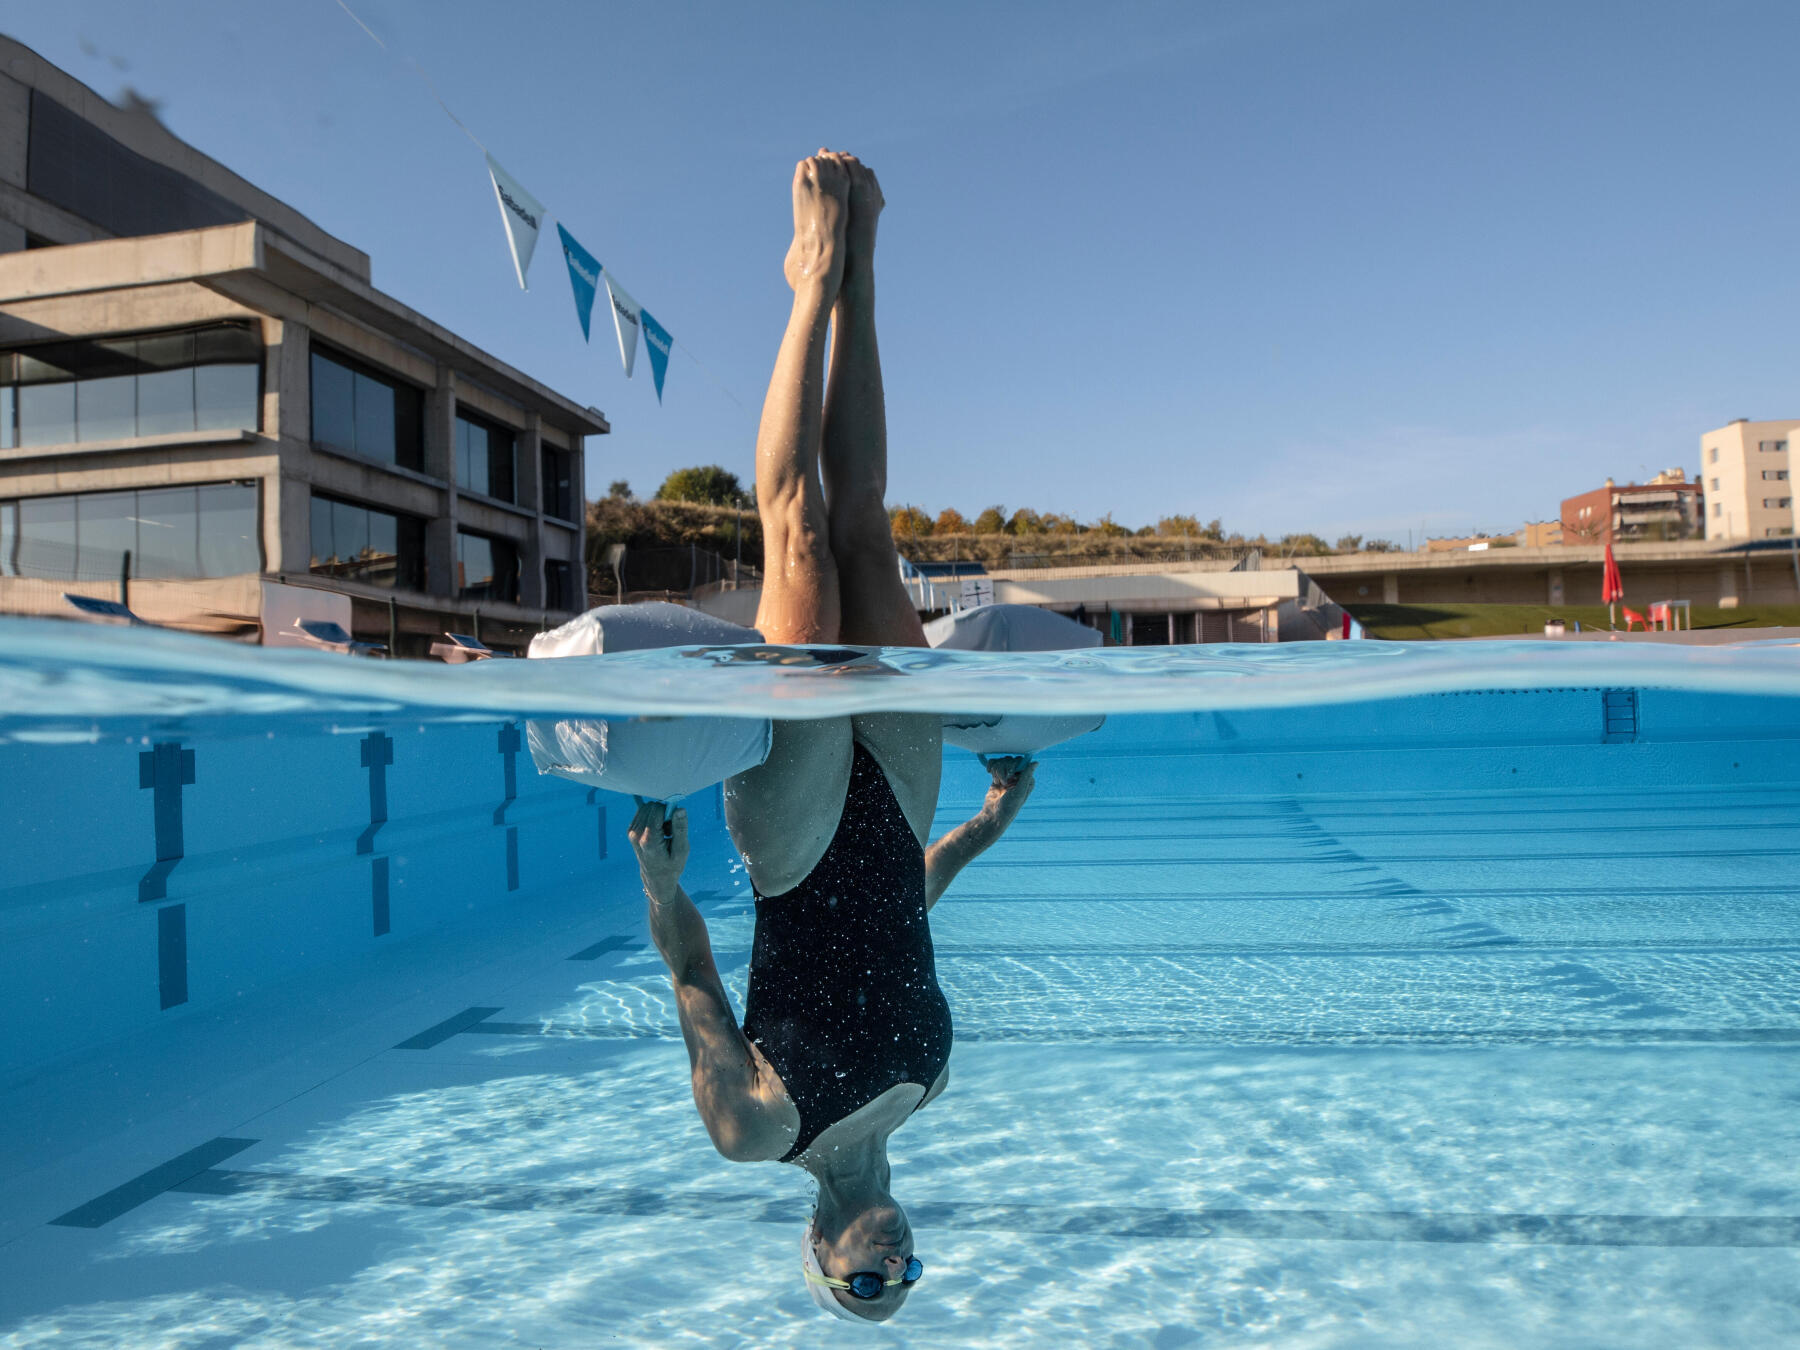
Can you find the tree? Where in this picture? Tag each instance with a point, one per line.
(1350, 543)
(619, 490)
(950, 521)
(709, 485)
(908, 522)
(991, 521)
(1053, 523)
(1025, 521)
(1178, 527)
(1381, 546)
(1108, 528)
(1292, 544)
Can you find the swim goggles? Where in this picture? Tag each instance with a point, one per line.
(866, 1284)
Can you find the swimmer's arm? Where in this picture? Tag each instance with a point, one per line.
(1013, 780)
(734, 1090)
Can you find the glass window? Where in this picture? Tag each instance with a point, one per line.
(47, 537)
(1712, 455)
(486, 569)
(374, 547)
(229, 540)
(115, 388)
(105, 531)
(168, 533)
(47, 414)
(484, 459)
(225, 397)
(1718, 508)
(333, 404)
(361, 411)
(1774, 475)
(471, 456)
(106, 409)
(9, 538)
(559, 483)
(1715, 485)
(559, 584)
(374, 418)
(165, 384)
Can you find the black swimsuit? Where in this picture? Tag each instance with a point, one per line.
(843, 998)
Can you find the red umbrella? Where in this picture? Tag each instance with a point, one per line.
(1611, 587)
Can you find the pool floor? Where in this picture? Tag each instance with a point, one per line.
(1387, 1069)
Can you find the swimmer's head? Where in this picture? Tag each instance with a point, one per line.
(878, 1241)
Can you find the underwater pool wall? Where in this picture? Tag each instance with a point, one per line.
(145, 879)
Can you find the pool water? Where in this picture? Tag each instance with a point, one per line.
(1338, 1007)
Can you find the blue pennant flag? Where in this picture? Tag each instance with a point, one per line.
(584, 276)
(658, 339)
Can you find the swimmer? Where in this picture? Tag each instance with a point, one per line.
(845, 1032)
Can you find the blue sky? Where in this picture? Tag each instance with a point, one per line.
(1298, 264)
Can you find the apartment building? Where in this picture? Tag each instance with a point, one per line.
(204, 399)
(1665, 509)
(1745, 466)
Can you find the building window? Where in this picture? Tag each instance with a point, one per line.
(484, 459)
(1778, 531)
(559, 585)
(1778, 503)
(486, 569)
(358, 410)
(212, 530)
(108, 389)
(1718, 508)
(1774, 475)
(1771, 447)
(359, 543)
(560, 499)
(1715, 485)
(1712, 454)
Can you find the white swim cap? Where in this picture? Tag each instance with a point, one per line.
(822, 1294)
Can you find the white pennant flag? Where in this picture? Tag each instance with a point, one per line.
(625, 320)
(523, 214)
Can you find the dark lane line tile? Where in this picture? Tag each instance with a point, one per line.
(103, 1209)
(618, 942)
(444, 1030)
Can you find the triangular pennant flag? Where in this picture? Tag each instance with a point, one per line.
(523, 214)
(584, 277)
(658, 339)
(625, 320)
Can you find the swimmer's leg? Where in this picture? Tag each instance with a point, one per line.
(875, 606)
(800, 596)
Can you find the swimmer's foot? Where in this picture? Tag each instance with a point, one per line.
(859, 235)
(815, 260)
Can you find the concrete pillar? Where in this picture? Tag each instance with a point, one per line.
(440, 462)
(1554, 589)
(528, 464)
(1390, 588)
(287, 524)
(1728, 596)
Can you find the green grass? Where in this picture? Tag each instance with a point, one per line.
(1449, 620)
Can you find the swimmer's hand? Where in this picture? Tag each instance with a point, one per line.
(660, 838)
(1014, 776)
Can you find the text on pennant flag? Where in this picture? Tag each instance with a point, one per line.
(584, 277)
(523, 215)
(657, 338)
(625, 321)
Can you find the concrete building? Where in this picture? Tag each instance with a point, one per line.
(1744, 466)
(1136, 604)
(1666, 508)
(1706, 574)
(202, 390)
